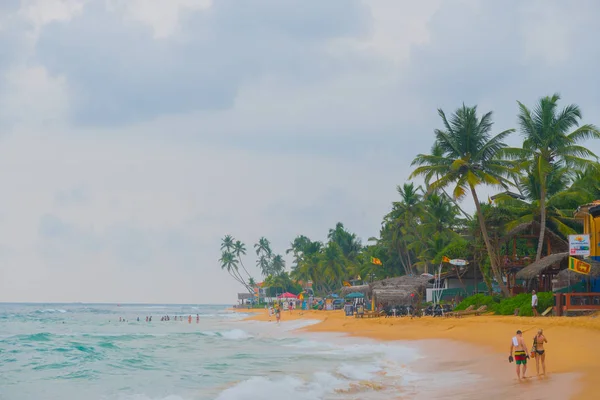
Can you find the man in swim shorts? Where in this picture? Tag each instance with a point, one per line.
(521, 354)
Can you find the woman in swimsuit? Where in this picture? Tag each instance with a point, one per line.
(540, 352)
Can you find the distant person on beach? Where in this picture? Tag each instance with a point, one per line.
(277, 314)
(521, 354)
(540, 352)
(534, 303)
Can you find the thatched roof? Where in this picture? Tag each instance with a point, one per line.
(557, 243)
(566, 275)
(397, 291)
(394, 296)
(364, 289)
(533, 270)
(400, 281)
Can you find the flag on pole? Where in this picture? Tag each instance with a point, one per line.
(376, 261)
(579, 266)
(445, 259)
(346, 283)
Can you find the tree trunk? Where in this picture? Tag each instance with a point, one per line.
(467, 216)
(538, 255)
(242, 264)
(488, 245)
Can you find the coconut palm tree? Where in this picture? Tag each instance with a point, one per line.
(229, 262)
(239, 249)
(227, 243)
(264, 253)
(560, 199)
(277, 265)
(548, 140)
(469, 159)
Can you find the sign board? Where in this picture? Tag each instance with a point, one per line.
(458, 261)
(579, 266)
(579, 245)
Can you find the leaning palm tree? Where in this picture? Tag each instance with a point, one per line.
(239, 249)
(469, 159)
(548, 142)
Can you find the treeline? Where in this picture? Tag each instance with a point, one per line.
(544, 180)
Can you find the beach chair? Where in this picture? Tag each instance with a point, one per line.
(547, 311)
(479, 311)
(455, 313)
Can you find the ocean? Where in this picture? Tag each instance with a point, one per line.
(82, 351)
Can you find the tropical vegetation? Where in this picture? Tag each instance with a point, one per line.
(542, 181)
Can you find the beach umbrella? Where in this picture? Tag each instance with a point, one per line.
(355, 295)
(287, 295)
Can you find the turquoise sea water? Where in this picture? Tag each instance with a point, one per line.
(78, 351)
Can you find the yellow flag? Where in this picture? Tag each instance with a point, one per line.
(358, 278)
(445, 259)
(579, 266)
(345, 283)
(375, 261)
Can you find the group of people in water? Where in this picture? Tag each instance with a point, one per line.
(521, 353)
(165, 318)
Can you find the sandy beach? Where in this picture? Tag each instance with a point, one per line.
(482, 344)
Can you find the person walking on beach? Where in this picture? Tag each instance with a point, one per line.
(521, 354)
(277, 314)
(534, 303)
(540, 352)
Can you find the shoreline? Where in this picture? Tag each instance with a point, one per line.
(572, 355)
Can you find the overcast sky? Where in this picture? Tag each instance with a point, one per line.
(134, 134)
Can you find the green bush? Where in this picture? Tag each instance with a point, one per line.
(507, 306)
(477, 301)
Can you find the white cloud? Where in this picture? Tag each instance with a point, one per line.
(31, 96)
(162, 16)
(315, 122)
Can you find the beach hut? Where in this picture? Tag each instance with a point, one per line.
(513, 264)
(544, 270)
(364, 289)
(402, 290)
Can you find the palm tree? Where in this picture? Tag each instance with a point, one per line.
(277, 265)
(332, 265)
(229, 262)
(469, 158)
(227, 243)
(264, 253)
(239, 249)
(561, 201)
(548, 142)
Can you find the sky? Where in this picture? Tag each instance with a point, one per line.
(135, 134)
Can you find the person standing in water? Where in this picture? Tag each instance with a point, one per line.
(277, 314)
(540, 352)
(521, 354)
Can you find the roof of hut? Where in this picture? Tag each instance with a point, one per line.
(400, 281)
(364, 289)
(566, 275)
(557, 243)
(393, 296)
(397, 290)
(536, 268)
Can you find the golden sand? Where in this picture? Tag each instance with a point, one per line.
(573, 342)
